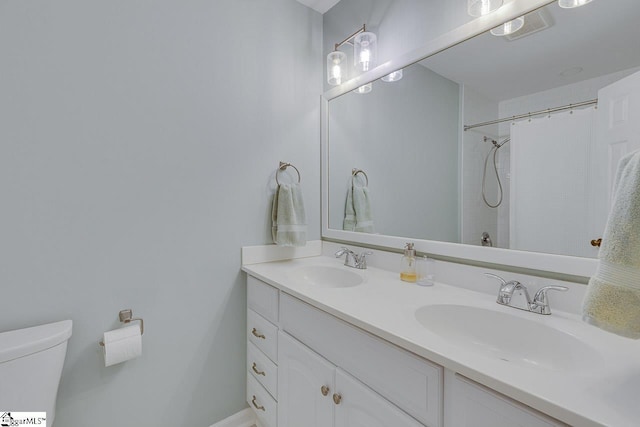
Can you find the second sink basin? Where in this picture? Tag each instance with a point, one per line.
(328, 276)
(512, 339)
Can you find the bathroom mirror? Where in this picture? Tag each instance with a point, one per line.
(425, 172)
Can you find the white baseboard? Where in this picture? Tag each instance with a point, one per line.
(244, 418)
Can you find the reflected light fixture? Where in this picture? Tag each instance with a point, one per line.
(483, 7)
(393, 77)
(364, 88)
(570, 4)
(508, 27)
(365, 52)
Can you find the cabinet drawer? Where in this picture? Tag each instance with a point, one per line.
(410, 382)
(262, 298)
(263, 334)
(262, 369)
(262, 403)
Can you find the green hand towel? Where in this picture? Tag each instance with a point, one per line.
(289, 222)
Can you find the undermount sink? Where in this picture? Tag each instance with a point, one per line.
(512, 339)
(328, 276)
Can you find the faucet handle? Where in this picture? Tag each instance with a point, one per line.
(541, 300)
(495, 276)
(362, 259)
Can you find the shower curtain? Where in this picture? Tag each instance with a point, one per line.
(552, 166)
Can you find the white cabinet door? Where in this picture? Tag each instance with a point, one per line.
(302, 374)
(468, 404)
(359, 406)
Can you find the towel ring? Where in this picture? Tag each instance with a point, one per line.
(355, 172)
(283, 166)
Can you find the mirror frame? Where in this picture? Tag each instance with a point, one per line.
(562, 264)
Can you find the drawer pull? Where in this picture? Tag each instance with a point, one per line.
(259, 407)
(257, 334)
(337, 398)
(255, 369)
(324, 390)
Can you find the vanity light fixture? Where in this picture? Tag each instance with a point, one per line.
(393, 77)
(508, 27)
(365, 51)
(365, 46)
(483, 7)
(570, 4)
(335, 64)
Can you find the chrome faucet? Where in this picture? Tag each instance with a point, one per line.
(540, 302)
(352, 259)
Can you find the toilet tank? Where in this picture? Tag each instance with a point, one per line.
(31, 361)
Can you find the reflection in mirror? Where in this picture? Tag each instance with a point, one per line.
(538, 183)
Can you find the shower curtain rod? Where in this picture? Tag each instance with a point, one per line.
(536, 113)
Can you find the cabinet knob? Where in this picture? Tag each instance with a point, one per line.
(255, 369)
(596, 242)
(337, 398)
(257, 334)
(259, 407)
(324, 390)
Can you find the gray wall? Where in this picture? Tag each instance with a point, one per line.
(138, 144)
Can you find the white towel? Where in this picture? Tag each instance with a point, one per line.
(289, 222)
(612, 301)
(357, 210)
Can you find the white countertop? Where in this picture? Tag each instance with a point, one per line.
(606, 394)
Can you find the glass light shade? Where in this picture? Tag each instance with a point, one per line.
(482, 7)
(365, 51)
(508, 27)
(393, 77)
(364, 88)
(570, 4)
(336, 70)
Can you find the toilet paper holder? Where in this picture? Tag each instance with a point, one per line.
(126, 316)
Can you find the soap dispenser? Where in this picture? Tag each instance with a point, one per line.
(408, 264)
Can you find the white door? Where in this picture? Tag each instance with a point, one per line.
(302, 374)
(618, 132)
(359, 406)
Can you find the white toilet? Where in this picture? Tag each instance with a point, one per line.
(31, 362)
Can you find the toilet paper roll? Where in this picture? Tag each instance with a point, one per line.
(122, 344)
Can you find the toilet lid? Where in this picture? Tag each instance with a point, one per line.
(23, 342)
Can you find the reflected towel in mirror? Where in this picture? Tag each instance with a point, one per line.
(357, 210)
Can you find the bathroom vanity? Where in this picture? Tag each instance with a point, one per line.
(332, 345)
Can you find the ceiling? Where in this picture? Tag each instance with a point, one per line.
(319, 5)
(599, 38)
